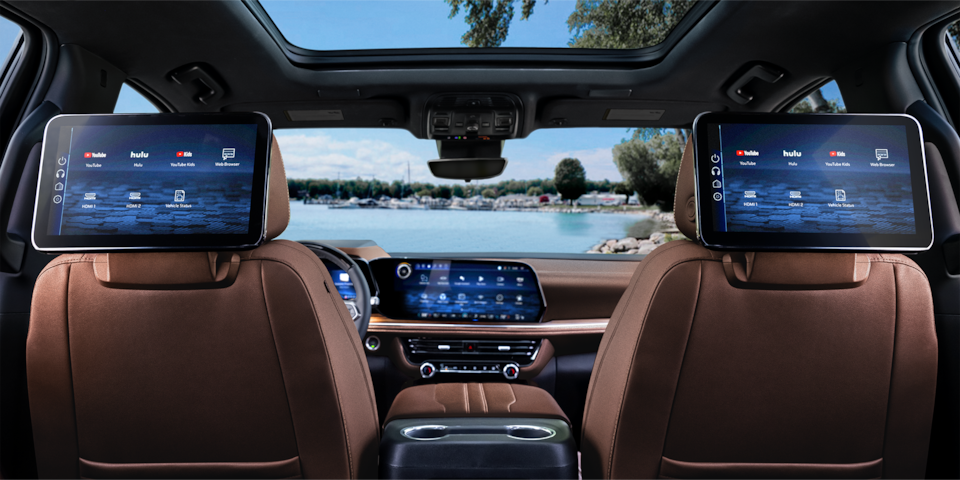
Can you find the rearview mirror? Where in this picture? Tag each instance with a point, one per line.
(467, 168)
(468, 159)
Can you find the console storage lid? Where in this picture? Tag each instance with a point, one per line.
(478, 447)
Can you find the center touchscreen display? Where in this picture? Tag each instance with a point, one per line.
(107, 180)
(829, 181)
(467, 290)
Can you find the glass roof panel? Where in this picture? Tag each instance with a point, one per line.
(402, 24)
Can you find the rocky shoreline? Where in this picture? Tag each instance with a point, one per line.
(642, 245)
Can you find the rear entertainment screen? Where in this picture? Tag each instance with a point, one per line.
(113, 182)
(783, 182)
(466, 290)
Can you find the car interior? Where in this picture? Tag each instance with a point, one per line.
(244, 344)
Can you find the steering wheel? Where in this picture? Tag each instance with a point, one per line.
(360, 308)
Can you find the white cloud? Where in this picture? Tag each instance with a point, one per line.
(352, 153)
(320, 155)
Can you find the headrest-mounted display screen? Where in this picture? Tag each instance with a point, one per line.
(804, 182)
(151, 182)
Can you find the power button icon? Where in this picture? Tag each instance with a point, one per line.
(715, 158)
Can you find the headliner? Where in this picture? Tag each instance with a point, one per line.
(810, 41)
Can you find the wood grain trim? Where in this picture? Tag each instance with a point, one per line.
(380, 324)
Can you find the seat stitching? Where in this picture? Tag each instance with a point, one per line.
(514, 394)
(636, 345)
(341, 309)
(466, 398)
(280, 365)
(316, 316)
(483, 398)
(435, 399)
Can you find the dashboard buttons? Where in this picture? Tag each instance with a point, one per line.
(511, 371)
(372, 343)
(427, 370)
(404, 270)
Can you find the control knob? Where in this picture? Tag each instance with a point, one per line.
(511, 371)
(427, 370)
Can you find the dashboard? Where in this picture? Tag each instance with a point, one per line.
(444, 289)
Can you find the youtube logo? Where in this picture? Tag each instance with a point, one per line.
(833, 154)
(739, 153)
(179, 154)
(88, 155)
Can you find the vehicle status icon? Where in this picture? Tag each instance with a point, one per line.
(179, 195)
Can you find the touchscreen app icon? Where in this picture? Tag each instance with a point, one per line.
(57, 199)
(61, 173)
(179, 195)
(229, 153)
(89, 196)
(62, 160)
(134, 196)
(841, 195)
(882, 153)
(717, 196)
(58, 186)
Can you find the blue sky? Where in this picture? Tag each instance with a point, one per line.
(384, 153)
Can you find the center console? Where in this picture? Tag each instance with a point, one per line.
(478, 448)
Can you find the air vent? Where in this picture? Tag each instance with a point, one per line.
(423, 349)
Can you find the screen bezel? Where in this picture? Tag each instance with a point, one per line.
(388, 296)
(788, 241)
(106, 243)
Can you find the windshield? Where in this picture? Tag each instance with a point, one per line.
(563, 191)
(384, 24)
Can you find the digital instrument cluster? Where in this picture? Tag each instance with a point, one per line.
(466, 290)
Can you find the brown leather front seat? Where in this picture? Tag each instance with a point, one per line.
(763, 365)
(199, 365)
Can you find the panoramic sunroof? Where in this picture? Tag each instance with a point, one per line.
(402, 24)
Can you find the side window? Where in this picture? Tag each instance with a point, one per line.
(953, 31)
(130, 101)
(9, 37)
(826, 99)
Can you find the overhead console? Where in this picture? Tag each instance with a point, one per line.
(464, 290)
(486, 116)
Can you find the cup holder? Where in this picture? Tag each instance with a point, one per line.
(425, 432)
(528, 432)
(435, 432)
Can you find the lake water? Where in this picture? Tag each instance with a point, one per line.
(458, 230)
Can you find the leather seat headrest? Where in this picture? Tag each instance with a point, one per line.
(685, 201)
(278, 196)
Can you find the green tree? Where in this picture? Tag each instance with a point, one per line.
(624, 24)
(815, 103)
(442, 191)
(489, 193)
(458, 191)
(649, 163)
(489, 22)
(534, 191)
(594, 23)
(570, 178)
